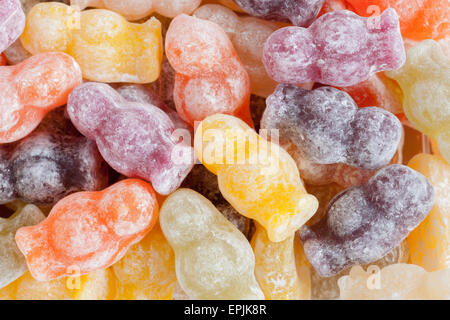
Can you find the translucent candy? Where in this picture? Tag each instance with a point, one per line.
(89, 230)
(327, 127)
(394, 282)
(138, 9)
(299, 12)
(248, 35)
(2, 59)
(12, 262)
(324, 194)
(364, 223)
(258, 178)
(107, 47)
(430, 241)
(339, 49)
(213, 259)
(12, 22)
(31, 89)
(135, 139)
(425, 79)
(210, 78)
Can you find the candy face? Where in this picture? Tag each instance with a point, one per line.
(425, 80)
(12, 262)
(89, 230)
(12, 22)
(363, 223)
(107, 47)
(327, 127)
(136, 139)
(210, 78)
(258, 178)
(31, 89)
(299, 12)
(213, 259)
(339, 49)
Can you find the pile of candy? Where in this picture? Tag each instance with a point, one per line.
(180, 149)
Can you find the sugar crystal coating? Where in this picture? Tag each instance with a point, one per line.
(12, 22)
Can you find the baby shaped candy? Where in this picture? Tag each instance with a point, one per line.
(89, 230)
(299, 12)
(210, 78)
(425, 81)
(257, 177)
(213, 259)
(12, 262)
(327, 127)
(31, 89)
(107, 47)
(135, 139)
(364, 223)
(340, 48)
(395, 282)
(248, 35)
(138, 9)
(12, 22)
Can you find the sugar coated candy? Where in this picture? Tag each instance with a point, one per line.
(425, 82)
(12, 22)
(213, 260)
(107, 47)
(395, 282)
(210, 78)
(364, 223)
(327, 127)
(2, 59)
(89, 230)
(299, 12)
(12, 262)
(138, 9)
(135, 139)
(257, 177)
(31, 89)
(340, 48)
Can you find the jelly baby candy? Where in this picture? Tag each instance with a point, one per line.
(299, 12)
(31, 89)
(248, 35)
(364, 223)
(257, 177)
(138, 9)
(327, 127)
(107, 47)
(16, 53)
(135, 139)
(213, 259)
(425, 79)
(12, 262)
(12, 22)
(2, 59)
(397, 281)
(89, 230)
(210, 78)
(419, 20)
(430, 242)
(339, 49)
(333, 5)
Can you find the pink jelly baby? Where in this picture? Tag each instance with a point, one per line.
(12, 22)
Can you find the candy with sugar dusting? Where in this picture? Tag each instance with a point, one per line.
(12, 22)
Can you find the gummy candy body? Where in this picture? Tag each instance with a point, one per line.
(2, 59)
(258, 178)
(89, 230)
(12, 22)
(338, 49)
(394, 282)
(213, 260)
(425, 81)
(138, 9)
(430, 242)
(327, 127)
(299, 12)
(107, 47)
(135, 139)
(364, 223)
(12, 262)
(210, 78)
(248, 35)
(31, 89)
